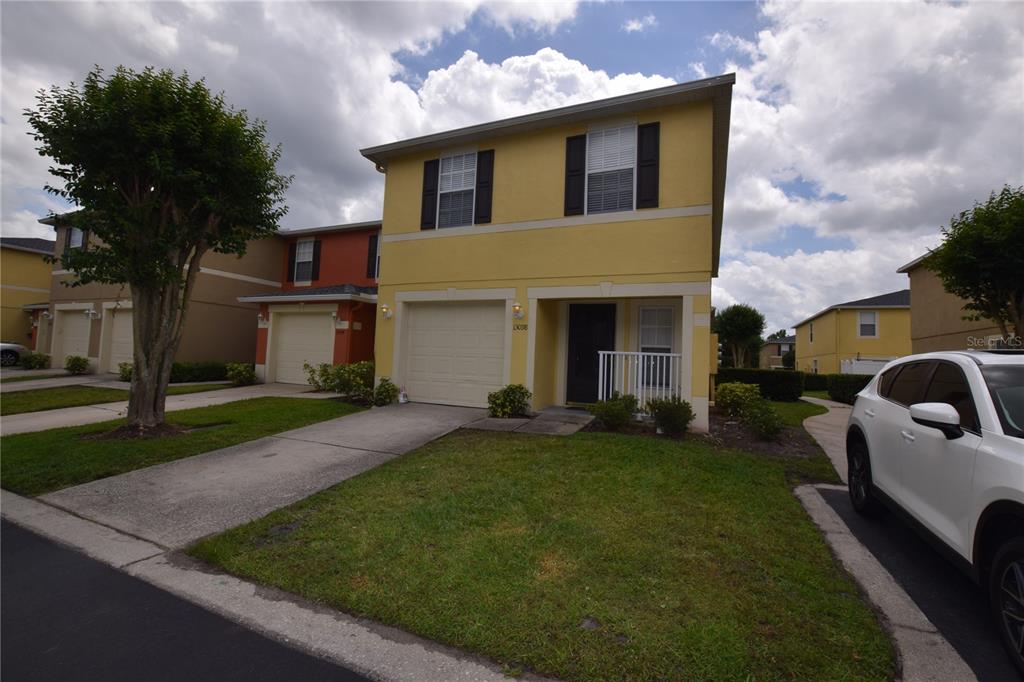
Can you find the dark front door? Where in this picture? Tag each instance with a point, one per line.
(591, 328)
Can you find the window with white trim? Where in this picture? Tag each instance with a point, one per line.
(611, 166)
(867, 323)
(656, 337)
(304, 261)
(456, 190)
(75, 238)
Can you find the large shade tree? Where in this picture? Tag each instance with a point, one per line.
(981, 260)
(163, 171)
(739, 328)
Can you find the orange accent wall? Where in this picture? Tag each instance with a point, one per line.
(342, 259)
(355, 345)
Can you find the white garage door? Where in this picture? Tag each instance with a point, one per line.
(121, 339)
(300, 338)
(455, 352)
(72, 335)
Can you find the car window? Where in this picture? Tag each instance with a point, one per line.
(885, 383)
(949, 385)
(1006, 385)
(906, 389)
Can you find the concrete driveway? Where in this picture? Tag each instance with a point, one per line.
(176, 503)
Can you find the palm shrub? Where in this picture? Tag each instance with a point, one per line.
(76, 364)
(510, 401)
(671, 415)
(734, 396)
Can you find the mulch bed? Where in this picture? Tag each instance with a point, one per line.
(727, 432)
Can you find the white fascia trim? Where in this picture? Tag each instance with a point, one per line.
(122, 304)
(364, 298)
(16, 287)
(611, 290)
(453, 294)
(297, 309)
(73, 306)
(571, 221)
(241, 278)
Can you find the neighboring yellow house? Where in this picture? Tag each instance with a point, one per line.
(570, 250)
(24, 281)
(856, 337)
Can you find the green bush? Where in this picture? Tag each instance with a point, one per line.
(672, 415)
(844, 388)
(761, 418)
(320, 377)
(354, 381)
(241, 373)
(385, 393)
(734, 396)
(815, 382)
(34, 361)
(76, 364)
(616, 412)
(775, 384)
(511, 401)
(124, 370)
(210, 370)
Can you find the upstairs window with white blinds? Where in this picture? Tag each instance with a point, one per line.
(456, 187)
(611, 162)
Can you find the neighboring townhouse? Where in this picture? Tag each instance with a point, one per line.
(773, 351)
(570, 250)
(856, 337)
(24, 286)
(95, 321)
(937, 316)
(325, 310)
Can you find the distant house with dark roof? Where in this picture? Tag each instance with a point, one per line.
(855, 337)
(773, 351)
(24, 283)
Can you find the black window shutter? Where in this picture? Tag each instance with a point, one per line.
(428, 214)
(85, 240)
(371, 256)
(647, 149)
(484, 186)
(575, 174)
(316, 261)
(291, 262)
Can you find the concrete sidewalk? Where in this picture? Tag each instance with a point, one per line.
(179, 502)
(830, 431)
(53, 382)
(92, 414)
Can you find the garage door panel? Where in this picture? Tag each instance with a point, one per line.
(455, 351)
(122, 342)
(73, 334)
(300, 338)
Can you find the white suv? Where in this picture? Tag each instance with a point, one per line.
(939, 438)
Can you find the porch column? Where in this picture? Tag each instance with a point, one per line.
(686, 350)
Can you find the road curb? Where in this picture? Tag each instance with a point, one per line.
(924, 653)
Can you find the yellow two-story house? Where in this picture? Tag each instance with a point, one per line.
(24, 286)
(856, 337)
(570, 250)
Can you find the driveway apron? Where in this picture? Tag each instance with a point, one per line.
(177, 503)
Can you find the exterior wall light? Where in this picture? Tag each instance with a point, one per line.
(90, 313)
(517, 310)
(386, 311)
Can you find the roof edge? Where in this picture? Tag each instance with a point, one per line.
(279, 298)
(344, 227)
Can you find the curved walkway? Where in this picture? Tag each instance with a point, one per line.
(830, 431)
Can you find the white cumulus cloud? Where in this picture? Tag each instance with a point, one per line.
(639, 24)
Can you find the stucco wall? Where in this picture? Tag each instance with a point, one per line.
(24, 279)
(936, 317)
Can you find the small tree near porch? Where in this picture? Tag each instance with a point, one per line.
(739, 328)
(163, 171)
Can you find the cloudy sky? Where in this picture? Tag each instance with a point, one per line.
(857, 129)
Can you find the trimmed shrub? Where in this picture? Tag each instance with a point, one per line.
(511, 401)
(815, 382)
(210, 370)
(34, 361)
(761, 418)
(354, 381)
(241, 373)
(76, 364)
(733, 396)
(616, 412)
(124, 370)
(775, 384)
(320, 377)
(844, 388)
(672, 415)
(385, 393)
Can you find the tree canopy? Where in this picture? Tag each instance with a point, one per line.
(739, 328)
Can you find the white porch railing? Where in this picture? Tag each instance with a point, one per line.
(645, 375)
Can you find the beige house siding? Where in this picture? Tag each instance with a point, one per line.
(936, 317)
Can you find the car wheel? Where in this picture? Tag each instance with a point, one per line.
(859, 479)
(1006, 595)
(8, 358)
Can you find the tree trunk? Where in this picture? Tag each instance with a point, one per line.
(158, 317)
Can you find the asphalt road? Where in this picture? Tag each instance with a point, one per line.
(946, 596)
(65, 616)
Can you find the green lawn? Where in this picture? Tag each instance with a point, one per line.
(35, 463)
(794, 413)
(817, 394)
(76, 396)
(590, 557)
(16, 379)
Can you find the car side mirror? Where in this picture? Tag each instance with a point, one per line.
(941, 416)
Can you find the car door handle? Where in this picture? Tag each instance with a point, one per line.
(907, 436)
(869, 412)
